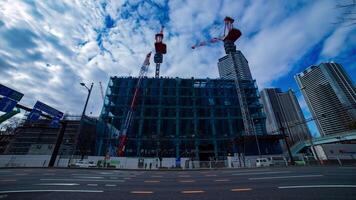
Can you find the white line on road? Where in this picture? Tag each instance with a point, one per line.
(317, 186)
(90, 177)
(91, 184)
(222, 180)
(59, 184)
(257, 173)
(27, 191)
(110, 185)
(88, 180)
(279, 177)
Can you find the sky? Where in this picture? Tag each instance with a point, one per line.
(47, 47)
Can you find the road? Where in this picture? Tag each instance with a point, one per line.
(265, 183)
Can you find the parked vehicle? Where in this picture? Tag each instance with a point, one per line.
(262, 162)
(85, 164)
(277, 161)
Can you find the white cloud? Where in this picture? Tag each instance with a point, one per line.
(66, 42)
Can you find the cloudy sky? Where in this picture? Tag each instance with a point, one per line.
(47, 47)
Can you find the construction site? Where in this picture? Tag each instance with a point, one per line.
(155, 117)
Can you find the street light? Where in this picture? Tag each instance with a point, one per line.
(89, 92)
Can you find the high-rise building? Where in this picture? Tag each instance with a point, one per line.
(234, 65)
(330, 95)
(283, 109)
(195, 118)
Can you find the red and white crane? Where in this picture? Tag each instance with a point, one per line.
(230, 34)
(161, 48)
(123, 136)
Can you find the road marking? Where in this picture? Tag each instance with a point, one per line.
(152, 181)
(106, 173)
(96, 180)
(110, 185)
(279, 177)
(317, 186)
(61, 184)
(192, 191)
(21, 174)
(210, 175)
(187, 181)
(222, 180)
(91, 184)
(257, 173)
(31, 191)
(184, 176)
(141, 192)
(240, 189)
(8, 180)
(48, 174)
(90, 177)
(156, 176)
(247, 170)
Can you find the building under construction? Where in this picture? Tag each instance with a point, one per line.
(175, 117)
(196, 118)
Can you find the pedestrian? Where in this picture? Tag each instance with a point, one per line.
(150, 165)
(145, 166)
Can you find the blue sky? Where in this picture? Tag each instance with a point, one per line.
(48, 47)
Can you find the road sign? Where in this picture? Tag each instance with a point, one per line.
(47, 109)
(34, 115)
(7, 104)
(8, 92)
(55, 122)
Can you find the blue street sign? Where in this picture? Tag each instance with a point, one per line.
(34, 115)
(47, 109)
(55, 122)
(8, 92)
(7, 104)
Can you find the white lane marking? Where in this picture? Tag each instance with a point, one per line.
(48, 174)
(106, 173)
(63, 179)
(187, 181)
(61, 184)
(258, 173)
(91, 184)
(156, 176)
(90, 177)
(222, 180)
(211, 175)
(31, 191)
(110, 185)
(317, 186)
(278, 177)
(21, 174)
(192, 191)
(247, 170)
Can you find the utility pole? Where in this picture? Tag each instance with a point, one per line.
(282, 129)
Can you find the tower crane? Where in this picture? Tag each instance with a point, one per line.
(123, 136)
(232, 34)
(161, 48)
(229, 37)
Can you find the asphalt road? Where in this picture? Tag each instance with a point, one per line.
(267, 183)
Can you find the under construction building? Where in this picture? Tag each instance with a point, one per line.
(174, 117)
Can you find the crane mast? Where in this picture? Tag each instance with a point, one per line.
(123, 136)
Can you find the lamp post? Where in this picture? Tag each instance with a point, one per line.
(89, 92)
(82, 151)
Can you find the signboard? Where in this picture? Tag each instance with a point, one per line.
(7, 104)
(55, 122)
(47, 109)
(34, 115)
(41, 107)
(10, 93)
